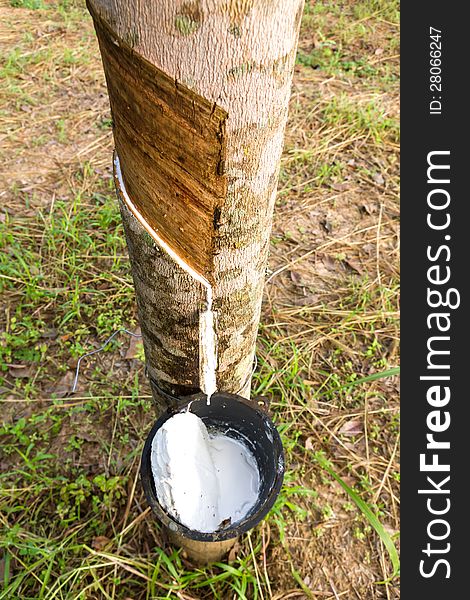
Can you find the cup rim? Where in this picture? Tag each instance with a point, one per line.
(237, 528)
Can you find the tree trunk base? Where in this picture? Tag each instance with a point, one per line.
(201, 553)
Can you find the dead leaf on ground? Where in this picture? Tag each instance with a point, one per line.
(329, 262)
(354, 265)
(370, 249)
(352, 427)
(134, 343)
(62, 386)
(296, 277)
(50, 334)
(368, 209)
(340, 187)
(327, 225)
(306, 300)
(378, 178)
(20, 371)
(100, 542)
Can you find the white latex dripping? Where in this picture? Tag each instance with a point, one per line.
(207, 333)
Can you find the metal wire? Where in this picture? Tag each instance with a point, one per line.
(77, 370)
(136, 335)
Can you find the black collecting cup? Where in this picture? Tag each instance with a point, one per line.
(238, 418)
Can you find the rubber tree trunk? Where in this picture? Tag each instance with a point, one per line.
(199, 94)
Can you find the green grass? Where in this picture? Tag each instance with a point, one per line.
(346, 37)
(29, 4)
(68, 263)
(59, 506)
(366, 511)
(49, 548)
(72, 259)
(368, 117)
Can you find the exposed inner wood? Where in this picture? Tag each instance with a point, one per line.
(124, 196)
(171, 144)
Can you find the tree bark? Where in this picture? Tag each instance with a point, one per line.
(199, 93)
